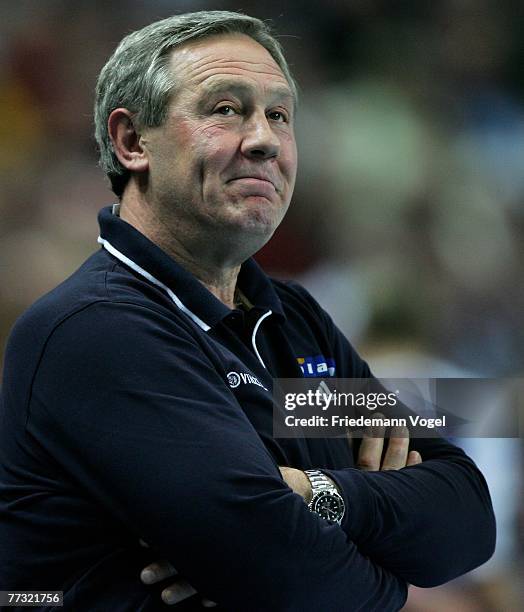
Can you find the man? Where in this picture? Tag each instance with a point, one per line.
(122, 417)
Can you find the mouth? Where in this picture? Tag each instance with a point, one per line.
(253, 180)
(254, 186)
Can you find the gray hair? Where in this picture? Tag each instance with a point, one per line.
(137, 75)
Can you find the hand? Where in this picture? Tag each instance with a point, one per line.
(397, 455)
(178, 590)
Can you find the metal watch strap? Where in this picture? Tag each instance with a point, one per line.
(322, 489)
(319, 481)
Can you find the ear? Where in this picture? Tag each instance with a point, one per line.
(126, 141)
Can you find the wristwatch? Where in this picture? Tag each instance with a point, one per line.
(326, 501)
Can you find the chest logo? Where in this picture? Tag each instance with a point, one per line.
(316, 365)
(234, 379)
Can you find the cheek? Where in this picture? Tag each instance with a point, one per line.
(204, 134)
(216, 147)
(185, 142)
(289, 164)
(288, 155)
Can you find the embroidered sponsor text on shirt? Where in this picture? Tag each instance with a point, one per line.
(235, 378)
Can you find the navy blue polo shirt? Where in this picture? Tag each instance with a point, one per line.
(136, 405)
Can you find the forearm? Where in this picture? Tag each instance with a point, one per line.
(193, 481)
(428, 523)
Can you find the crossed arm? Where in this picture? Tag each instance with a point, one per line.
(370, 453)
(142, 437)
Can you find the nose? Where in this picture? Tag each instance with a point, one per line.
(260, 140)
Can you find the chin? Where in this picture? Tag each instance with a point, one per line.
(261, 215)
(259, 223)
(250, 234)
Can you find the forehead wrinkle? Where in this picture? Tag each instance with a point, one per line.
(221, 77)
(195, 65)
(272, 65)
(204, 51)
(220, 59)
(230, 66)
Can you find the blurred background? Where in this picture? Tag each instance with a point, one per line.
(407, 222)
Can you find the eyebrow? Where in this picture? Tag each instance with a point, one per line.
(233, 86)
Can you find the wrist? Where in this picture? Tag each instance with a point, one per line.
(326, 499)
(298, 482)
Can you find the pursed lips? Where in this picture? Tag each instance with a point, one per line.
(254, 177)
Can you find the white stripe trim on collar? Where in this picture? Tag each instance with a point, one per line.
(254, 336)
(111, 249)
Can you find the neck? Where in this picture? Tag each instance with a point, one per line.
(220, 280)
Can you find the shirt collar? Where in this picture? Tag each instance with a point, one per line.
(139, 253)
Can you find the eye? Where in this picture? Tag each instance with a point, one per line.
(227, 110)
(279, 116)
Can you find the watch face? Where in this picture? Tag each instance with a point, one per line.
(328, 506)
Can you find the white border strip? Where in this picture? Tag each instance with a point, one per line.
(109, 247)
